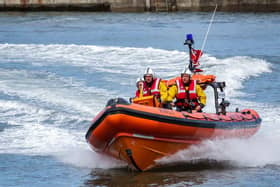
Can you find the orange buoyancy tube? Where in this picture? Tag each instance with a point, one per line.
(203, 78)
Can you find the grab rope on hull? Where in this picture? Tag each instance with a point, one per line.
(129, 154)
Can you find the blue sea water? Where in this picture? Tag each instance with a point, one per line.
(57, 71)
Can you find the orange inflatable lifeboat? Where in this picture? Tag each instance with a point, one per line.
(139, 134)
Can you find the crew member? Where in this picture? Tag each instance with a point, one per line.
(140, 86)
(154, 86)
(189, 95)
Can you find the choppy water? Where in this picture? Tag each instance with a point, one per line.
(57, 71)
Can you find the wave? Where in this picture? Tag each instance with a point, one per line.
(122, 65)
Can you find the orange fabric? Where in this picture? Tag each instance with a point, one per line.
(147, 100)
(203, 78)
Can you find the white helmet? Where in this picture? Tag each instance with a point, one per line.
(149, 71)
(186, 71)
(139, 79)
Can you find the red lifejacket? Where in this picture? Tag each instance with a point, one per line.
(137, 93)
(184, 95)
(153, 90)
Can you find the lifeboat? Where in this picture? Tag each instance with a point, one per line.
(141, 134)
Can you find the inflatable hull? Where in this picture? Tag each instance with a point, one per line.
(139, 135)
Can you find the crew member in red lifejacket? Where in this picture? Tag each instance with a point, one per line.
(153, 86)
(140, 86)
(189, 95)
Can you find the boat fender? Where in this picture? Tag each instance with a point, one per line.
(115, 101)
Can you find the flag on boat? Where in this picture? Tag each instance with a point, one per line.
(195, 55)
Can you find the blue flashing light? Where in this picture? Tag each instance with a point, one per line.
(189, 40)
(189, 37)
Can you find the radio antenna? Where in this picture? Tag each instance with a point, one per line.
(209, 26)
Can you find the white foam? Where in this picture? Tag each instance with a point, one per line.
(257, 151)
(28, 133)
(86, 158)
(52, 90)
(254, 152)
(33, 136)
(235, 70)
(132, 61)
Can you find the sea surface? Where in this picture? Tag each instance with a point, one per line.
(58, 69)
